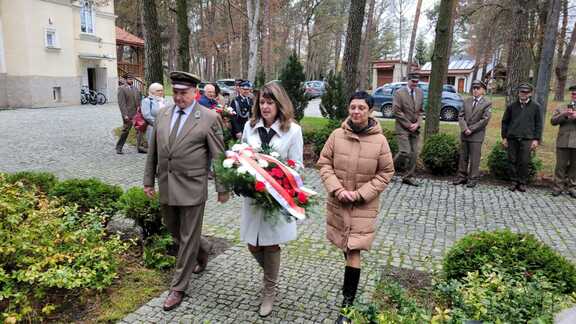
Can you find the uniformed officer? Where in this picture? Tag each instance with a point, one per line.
(473, 119)
(565, 173)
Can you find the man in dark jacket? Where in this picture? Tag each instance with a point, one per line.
(521, 134)
(242, 105)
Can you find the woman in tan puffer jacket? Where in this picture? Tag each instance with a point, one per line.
(356, 166)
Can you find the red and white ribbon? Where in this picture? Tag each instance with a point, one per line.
(248, 159)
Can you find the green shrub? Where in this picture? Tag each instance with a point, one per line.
(495, 296)
(334, 105)
(440, 154)
(292, 78)
(507, 250)
(143, 210)
(88, 194)
(44, 181)
(394, 305)
(500, 167)
(156, 252)
(47, 251)
(391, 137)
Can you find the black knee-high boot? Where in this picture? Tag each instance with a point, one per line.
(350, 287)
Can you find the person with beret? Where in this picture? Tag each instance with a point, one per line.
(408, 108)
(242, 105)
(522, 125)
(565, 172)
(129, 101)
(473, 119)
(186, 135)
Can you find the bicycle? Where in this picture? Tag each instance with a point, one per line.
(92, 97)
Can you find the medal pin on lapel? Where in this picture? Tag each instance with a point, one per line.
(197, 114)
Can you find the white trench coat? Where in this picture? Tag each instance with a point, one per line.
(253, 229)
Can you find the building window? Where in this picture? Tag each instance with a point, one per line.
(87, 17)
(50, 38)
(57, 94)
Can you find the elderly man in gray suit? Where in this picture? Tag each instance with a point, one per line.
(129, 101)
(473, 119)
(184, 138)
(408, 108)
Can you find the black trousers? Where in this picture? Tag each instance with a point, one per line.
(519, 157)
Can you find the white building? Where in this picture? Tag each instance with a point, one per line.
(50, 48)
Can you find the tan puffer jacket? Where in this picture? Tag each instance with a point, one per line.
(354, 162)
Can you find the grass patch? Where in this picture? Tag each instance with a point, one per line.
(137, 287)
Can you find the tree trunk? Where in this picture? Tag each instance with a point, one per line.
(541, 24)
(564, 58)
(363, 71)
(352, 48)
(519, 55)
(244, 43)
(153, 71)
(184, 35)
(547, 56)
(413, 36)
(440, 60)
(253, 9)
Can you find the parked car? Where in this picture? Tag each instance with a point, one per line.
(449, 88)
(314, 89)
(451, 102)
(227, 88)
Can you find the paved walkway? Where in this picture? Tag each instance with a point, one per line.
(415, 228)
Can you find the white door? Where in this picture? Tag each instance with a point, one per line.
(101, 83)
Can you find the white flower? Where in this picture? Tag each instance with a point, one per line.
(241, 170)
(263, 163)
(230, 154)
(228, 163)
(236, 147)
(275, 155)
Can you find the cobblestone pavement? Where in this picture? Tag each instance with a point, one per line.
(415, 228)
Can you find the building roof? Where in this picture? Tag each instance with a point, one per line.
(124, 37)
(456, 64)
(389, 63)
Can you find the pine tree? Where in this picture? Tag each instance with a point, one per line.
(421, 56)
(292, 78)
(260, 79)
(334, 103)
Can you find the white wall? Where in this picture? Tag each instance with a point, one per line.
(2, 59)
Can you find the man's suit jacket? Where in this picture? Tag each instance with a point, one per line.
(406, 110)
(128, 100)
(182, 169)
(567, 132)
(475, 119)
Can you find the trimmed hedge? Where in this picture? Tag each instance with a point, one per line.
(440, 154)
(43, 181)
(143, 210)
(88, 194)
(500, 166)
(511, 251)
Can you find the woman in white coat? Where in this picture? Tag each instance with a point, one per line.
(151, 105)
(272, 124)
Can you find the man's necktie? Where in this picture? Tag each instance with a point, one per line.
(475, 102)
(174, 131)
